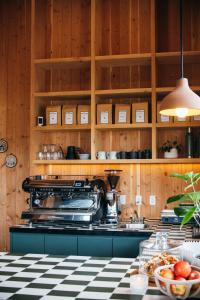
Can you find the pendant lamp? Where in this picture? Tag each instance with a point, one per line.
(182, 101)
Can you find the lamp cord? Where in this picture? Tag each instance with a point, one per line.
(181, 38)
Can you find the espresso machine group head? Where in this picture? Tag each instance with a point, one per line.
(112, 196)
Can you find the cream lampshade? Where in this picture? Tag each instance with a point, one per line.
(182, 101)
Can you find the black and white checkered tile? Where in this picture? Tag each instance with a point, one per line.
(173, 230)
(45, 277)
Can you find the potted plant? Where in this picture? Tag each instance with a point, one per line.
(190, 195)
(170, 149)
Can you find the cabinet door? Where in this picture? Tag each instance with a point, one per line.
(126, 246)
(61, 244)
(95, 246)
(27, 242)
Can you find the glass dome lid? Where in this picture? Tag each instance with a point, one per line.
(160, 243)
(157, 252)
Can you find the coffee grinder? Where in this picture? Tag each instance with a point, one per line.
(112, 196)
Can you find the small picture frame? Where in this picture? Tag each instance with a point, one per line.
(40, 121)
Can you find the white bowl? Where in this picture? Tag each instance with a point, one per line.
(84, 156)
(166, 287)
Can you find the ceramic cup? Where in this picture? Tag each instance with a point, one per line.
(133, 154)
(111, 155)
(121, 155)
(101, 155)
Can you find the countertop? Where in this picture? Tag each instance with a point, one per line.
(153, 227)
(47, 277)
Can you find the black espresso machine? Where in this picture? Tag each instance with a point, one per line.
(57, 200)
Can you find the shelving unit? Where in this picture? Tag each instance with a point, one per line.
(94, 51)
(118, 161)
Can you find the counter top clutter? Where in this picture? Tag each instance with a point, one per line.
(37, 276)
(152, 226)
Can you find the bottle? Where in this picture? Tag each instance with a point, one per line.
(189, 143)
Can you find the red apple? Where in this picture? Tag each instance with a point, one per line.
(194, 275)
(178, 289)
(182, 268)
(166, 273)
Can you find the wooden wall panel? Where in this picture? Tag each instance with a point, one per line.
(123, 27)
(168, 23)
(156, 180)
(14, 109)
(43, 46)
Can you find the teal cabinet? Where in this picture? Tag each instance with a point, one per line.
(27, 242)
(95, 245)
(86, 244)
(61, 244)
(126, 246)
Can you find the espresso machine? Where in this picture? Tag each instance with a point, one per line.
(112, 196)
(61, 201)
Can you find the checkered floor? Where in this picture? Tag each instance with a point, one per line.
(46, 277)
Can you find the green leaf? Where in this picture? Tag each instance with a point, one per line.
(193, 196)
(188, 215)
(180, 211)
(189, 186)
(180, 197)
(190, 174)
(184, 177)
(196, 178)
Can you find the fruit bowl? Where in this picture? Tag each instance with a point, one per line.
(177, 289)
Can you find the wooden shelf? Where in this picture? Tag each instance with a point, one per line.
(123, 126)
(119, 161)
(176, 161)
(65, 162)
(123, 92)
(64, 94)
(106, 93)
(164, 90)
(173, 57)
(70, 62)
(123, 59)
(178, 124)
(61, 128)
